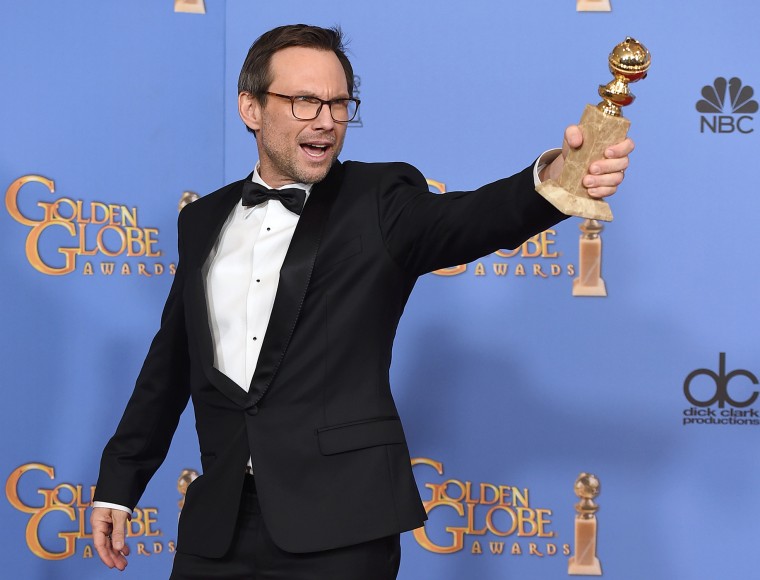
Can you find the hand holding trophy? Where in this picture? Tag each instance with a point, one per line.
(602, 126)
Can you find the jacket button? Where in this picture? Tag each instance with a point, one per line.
(252, 411)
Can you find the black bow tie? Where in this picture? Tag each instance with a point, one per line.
(292, 198)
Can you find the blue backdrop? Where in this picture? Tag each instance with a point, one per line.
(111, 110)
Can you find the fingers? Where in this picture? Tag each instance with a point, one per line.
(119, 529)
(100, 520)
(108, 529)
(605, 175)
(573, 138)
(603, 185)
(622, 149)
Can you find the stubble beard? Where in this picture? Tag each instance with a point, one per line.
(284, 159)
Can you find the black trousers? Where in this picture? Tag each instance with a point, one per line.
(254, 556)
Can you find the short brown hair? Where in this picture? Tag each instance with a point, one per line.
(256, 76)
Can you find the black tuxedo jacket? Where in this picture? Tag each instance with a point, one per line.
(331, 463)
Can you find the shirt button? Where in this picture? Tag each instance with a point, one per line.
(254, 338)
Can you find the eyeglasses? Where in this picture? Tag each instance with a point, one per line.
(308, 108)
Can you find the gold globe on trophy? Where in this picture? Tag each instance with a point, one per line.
(602, 126)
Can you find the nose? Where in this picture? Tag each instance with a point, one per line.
(324, 120)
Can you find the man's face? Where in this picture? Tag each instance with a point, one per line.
(291, 150)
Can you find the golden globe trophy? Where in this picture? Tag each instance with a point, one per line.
(584, 562)
(602, 126)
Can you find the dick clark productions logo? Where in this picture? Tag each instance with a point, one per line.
(731, 392)
(727, 107)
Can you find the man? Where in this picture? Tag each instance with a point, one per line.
(280, 324)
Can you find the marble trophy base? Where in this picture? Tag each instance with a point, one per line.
(584, 562)
(568, 194)
(190, 6)
(582, 288)
(593, 569)
(593, 6)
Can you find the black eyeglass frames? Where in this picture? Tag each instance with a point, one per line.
(307, 108)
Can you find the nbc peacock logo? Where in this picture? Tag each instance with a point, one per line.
(727, 107)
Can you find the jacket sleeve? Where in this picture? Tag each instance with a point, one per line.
(424, 231)
(161, 393)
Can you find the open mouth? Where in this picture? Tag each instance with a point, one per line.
(315, 151)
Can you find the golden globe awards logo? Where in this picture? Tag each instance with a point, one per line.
(63, 507)
(66, 234)
(482, 518)
(727, 107)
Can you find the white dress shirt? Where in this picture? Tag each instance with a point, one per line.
(242, 273)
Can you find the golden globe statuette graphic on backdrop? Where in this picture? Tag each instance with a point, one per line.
(589, 281)
(602, 126)
(190, 6)
(186, 477)
(187, 198)
(584, 561)
(593, 6)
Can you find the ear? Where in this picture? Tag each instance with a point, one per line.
(249, 109)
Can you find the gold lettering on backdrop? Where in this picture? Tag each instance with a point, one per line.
(539, 247)
(87, 228)
(480, 509)
(72, 501)
(516, 549)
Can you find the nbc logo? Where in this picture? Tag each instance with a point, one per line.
(727, 107)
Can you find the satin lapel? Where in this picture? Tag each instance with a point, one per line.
(294, 281)
(205, 232)
(215, 216)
